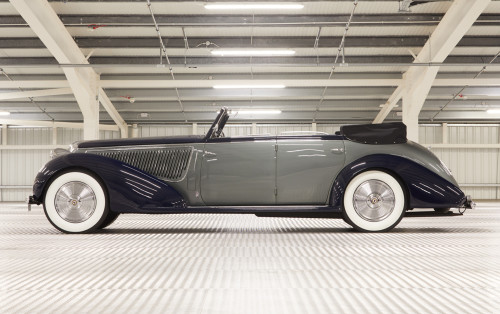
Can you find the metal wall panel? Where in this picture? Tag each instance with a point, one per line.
(430, 134)
(469, 166)
(19, 167)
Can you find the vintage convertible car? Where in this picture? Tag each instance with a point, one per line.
(369, 175)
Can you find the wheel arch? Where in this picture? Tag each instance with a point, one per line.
(390, 172)
(129, 189)
(424, 188)
(73, 168)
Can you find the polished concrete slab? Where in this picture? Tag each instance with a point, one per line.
(245, 264)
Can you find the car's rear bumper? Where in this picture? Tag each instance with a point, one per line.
(469, 203)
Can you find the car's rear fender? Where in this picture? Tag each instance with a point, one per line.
(130, 189)
(425, 189)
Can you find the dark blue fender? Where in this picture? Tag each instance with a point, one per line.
(425, 188)
(130, 189)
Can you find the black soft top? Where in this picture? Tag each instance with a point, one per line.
(384, 133)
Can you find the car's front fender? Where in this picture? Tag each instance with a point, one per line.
(129, 189)
(425, 188)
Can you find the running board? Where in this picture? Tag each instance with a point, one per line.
(431, 214)
(268, 211)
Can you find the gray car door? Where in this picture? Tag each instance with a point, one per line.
(306, 168)
(239, 171)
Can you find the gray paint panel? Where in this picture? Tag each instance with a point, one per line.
(239, 173)
(306, 170)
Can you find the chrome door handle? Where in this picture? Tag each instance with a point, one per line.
(337, 150)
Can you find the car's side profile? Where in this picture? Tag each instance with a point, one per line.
(369, 175)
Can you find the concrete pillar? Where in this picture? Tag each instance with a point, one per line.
(4, 134)
(445, 133)
(410, 118)
(195, 128)
(135, 131)
(54, 136)
(416, 89)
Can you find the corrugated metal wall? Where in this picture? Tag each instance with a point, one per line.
(471, 166)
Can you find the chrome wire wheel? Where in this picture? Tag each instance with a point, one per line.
(374, 200)
(75, 201)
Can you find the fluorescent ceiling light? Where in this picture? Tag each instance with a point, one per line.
(250, 52)
(254, 6)
(248, 86)
(4, 113)
(493, 111)
(257, 111)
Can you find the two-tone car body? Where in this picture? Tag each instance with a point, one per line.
(369, 175)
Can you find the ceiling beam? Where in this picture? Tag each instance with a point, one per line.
(49, 28)
(198, 84)
(55, 124)
(246, 20)
(418, 81)
(206, 62)
(255, 42)
(36, 93)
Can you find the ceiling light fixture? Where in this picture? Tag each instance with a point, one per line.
(493, 111)
(4, 113)
(254, 6)
(257, 112)
(247, 86)
(249, 52)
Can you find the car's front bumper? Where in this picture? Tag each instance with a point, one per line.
(32, 200)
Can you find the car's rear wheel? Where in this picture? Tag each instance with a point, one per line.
(374, 201)
(76, 202)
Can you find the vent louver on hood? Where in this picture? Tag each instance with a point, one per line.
(166, 163)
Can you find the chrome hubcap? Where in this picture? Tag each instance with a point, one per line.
(374, 200)
(75, 201)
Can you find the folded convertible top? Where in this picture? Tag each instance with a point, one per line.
(385, 133)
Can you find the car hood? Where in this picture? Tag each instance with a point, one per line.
(142, 141)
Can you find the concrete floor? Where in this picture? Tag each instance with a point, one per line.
(245, 264)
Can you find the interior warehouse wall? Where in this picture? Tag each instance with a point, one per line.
(476, 169)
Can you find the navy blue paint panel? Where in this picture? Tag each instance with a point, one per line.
(426, 189)
(143, 141)
(130, 189)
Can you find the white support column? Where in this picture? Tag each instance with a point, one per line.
(414, 95)
(54, 136)
(444, 130)
(108, 105)
(135, 131)
(314, 127)
(254, 128)
(195, 128)
(455, 23)
(5, 128)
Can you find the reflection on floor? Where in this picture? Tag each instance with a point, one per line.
(245, 264)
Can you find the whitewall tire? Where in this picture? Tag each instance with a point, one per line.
(75, 202)
(374, 201)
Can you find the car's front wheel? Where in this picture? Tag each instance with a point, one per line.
(374, 201)
(76, 202)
